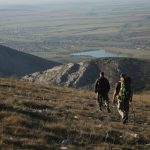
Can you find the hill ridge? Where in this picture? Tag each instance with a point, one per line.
(84, 74)
(16, 63)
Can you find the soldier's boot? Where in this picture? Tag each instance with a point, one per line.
(108, 109)
(107, 106)
(125, 118)
(100, 104)
(100, 107)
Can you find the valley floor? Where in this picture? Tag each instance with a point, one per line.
(48, 117)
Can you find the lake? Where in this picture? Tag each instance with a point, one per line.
(98, 54)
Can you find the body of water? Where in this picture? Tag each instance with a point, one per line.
(98, 54)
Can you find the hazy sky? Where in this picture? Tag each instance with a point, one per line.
(29, 1)
(9, 2)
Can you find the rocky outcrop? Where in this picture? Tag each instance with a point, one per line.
(84, 74)
(70, 75)
(15, 63)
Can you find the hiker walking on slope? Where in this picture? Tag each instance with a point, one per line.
(123, 94)
(102, 87)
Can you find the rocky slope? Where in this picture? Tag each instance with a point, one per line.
(84, 74)
(15, 63)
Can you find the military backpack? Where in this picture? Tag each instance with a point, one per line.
(125, 90)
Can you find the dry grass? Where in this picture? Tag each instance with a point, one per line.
(41, 117)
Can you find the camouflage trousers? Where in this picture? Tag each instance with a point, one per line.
(123, 109)
(103, 99)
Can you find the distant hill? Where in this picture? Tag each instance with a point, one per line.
(15, 63)
(84, 74)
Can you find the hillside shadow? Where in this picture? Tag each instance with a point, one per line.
(21, 62)
(33, 105)
(29, 113)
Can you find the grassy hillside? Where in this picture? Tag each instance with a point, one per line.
(45, 117)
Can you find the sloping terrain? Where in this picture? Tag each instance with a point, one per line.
(15, 63)
(84, 74)
(46, 117)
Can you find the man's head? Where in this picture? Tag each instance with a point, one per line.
(122, 76)
(101, 74)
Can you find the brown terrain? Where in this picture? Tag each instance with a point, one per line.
(34, 116)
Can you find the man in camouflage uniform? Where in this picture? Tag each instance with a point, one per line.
(123, 94)
(102, 87)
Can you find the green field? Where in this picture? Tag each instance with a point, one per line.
(55, 30)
